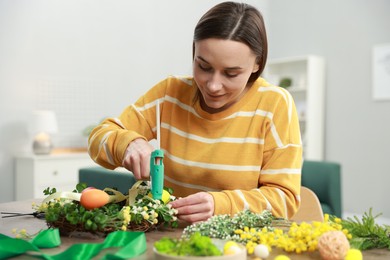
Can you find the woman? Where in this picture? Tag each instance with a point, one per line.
(231, 140)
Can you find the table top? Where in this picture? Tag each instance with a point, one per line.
(33, 225)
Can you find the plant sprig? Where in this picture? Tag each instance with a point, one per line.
(49, 191)
(366, 234)
(223, 226)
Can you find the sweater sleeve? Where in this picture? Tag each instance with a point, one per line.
(280, 175)
(108, 141)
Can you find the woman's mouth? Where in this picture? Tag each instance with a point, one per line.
(215, 96)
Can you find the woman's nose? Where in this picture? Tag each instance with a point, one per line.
(214, 84)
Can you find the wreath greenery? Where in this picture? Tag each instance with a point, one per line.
(143, 214)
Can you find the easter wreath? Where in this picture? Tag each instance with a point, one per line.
(72, 212)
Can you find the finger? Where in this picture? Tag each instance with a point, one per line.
(130, 161)
(195, 208)
(189, 209)
(129, 166)
(194, 218)
(186, 201)
(179, 203)
(135, 167)
(145, 165)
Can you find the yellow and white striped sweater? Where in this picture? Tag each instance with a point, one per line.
(248, 156)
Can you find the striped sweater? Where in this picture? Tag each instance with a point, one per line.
(248, 156)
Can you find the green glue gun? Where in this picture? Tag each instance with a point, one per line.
(157, 173)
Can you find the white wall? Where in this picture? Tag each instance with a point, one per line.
(357, 127)
(85, 60)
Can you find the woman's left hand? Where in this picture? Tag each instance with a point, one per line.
(195, 208)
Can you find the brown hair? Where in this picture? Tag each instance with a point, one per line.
(238, 22)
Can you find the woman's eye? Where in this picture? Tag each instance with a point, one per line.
(204, 68)
(231, 74)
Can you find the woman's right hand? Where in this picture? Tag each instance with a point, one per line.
(137, 158)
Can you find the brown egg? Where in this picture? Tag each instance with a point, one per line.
(94, 198)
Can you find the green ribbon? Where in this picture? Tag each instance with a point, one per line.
(131, 244)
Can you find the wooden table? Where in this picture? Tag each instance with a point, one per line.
(33, 225)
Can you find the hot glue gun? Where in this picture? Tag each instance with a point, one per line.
(157, 173)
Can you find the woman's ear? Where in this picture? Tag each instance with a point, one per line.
(256, 66)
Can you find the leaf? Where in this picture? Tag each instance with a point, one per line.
(80, 187)
(49, 191)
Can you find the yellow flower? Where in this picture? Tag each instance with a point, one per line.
(326, 217)
(278, 232)
(238, 231)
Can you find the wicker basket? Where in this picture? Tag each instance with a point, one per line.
(68, 229)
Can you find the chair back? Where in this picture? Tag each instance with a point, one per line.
(324, 179)
(310, 209)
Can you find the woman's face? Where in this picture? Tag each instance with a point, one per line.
(221, 70)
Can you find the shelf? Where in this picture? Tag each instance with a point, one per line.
(307, 74)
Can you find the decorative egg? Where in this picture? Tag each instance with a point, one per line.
(88, 188)
(354, 254)
(333, 245)
(231, 248)
(261, 251)
(94, 198)
(166, 197)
